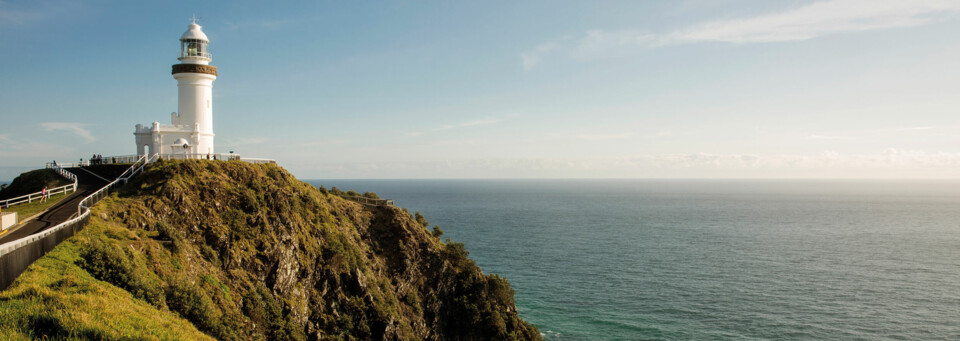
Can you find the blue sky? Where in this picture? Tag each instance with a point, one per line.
(532, 89)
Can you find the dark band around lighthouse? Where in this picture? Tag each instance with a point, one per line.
(194, 68)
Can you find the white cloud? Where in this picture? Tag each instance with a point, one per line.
(246, 141)
(602, 137)
(469, 124)
(819, 19)
(803, 23)
(32, 13)
(827, 137)
(533, 57)
(664, 133)
(262, 24)
(13, 147)
(915, 129)
(325, 143)
(599, 41)
(889, 163)
(70, 127)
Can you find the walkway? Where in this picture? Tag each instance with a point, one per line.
(86, 184)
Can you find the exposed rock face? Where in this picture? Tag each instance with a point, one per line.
(248, 252)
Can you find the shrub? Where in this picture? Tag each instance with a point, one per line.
(170, 236)
(421, 220)
(108, 263)
(193, 304)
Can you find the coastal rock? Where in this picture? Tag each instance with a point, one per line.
(247, 252)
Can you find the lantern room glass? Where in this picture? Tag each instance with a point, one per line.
(193, 48)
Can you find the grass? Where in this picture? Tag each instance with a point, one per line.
(56, 299)
(32, 182)
(247, 252)
(27, 210)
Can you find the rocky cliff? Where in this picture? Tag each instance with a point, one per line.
(241, 251)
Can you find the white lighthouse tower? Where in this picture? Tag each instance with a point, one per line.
(190, 132)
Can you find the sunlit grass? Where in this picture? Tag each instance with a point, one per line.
(57, 299)
(27, 210)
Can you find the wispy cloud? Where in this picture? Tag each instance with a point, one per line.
(819, 19)
(325, 143)
(245, 141)
(264, 24)
(889, 163)
(35, 12)
(827, 137)
(803, 23)
(602, 137)
(30, 146)
(915, 128)
(533, 57)
(70, 127)
(472, 123)
(663, 133)
(479, 122)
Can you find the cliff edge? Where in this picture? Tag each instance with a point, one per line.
(236, 251)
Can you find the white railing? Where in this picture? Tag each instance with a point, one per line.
(38, 195)
(128, 159)
(201, 156)
(255, 160)
(93, 199)
(83, 210)
(368, 201)
(136, 169)
(106, 160)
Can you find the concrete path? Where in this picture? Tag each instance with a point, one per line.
(60, 212)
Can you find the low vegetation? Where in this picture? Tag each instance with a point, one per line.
(239, 251)
(32, 182)
(27, 210)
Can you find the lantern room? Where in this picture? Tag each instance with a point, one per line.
(193, 46)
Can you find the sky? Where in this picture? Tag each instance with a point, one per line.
(503, 89)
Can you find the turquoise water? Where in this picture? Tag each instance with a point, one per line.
(655, 259)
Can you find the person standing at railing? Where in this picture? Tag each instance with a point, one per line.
(43, 194)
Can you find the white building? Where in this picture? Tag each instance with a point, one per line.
(190, 131)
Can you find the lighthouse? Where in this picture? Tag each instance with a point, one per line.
(190, 132)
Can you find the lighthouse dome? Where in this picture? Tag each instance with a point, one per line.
(193, 46)
(194, 31)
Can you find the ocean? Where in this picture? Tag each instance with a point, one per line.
(709, 259)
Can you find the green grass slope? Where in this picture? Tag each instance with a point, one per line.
(28, 210)
(32, 182)
(247, 252)
(56, 299)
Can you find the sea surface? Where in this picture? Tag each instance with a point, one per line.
(709, 259)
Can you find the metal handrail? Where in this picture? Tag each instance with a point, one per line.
(128, 159)
(369, 201)
(106, 160)
(83, 211)
(256, 160)
(33, 196)
(201, 156)
(207, 55)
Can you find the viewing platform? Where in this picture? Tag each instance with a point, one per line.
(130, 159)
